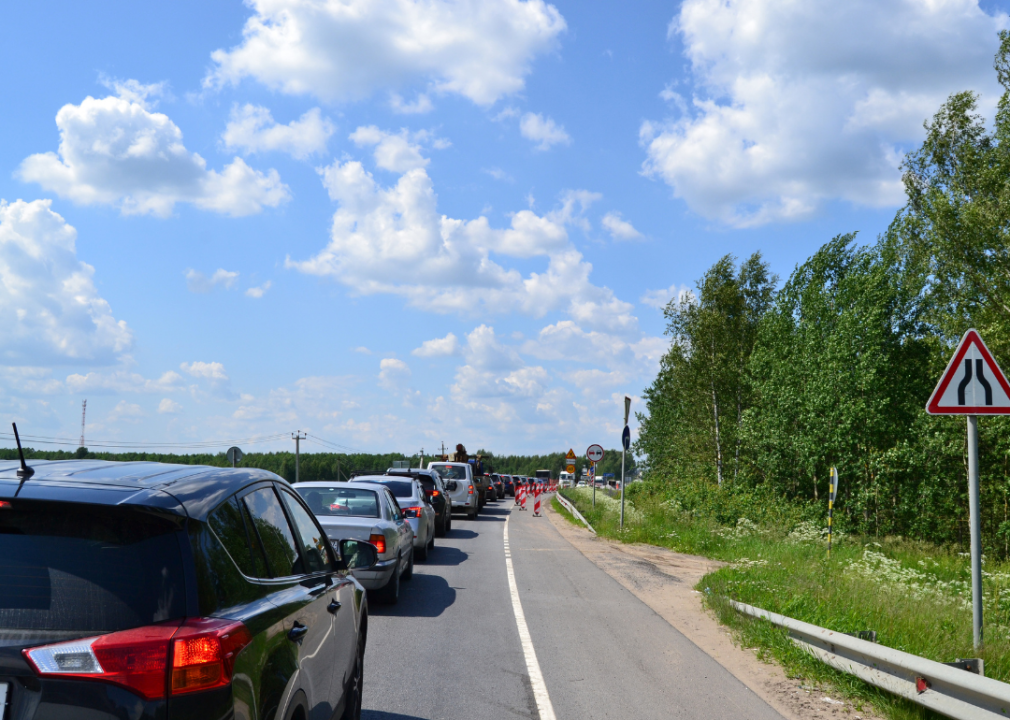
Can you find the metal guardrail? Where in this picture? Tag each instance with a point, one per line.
(571, 508)
(947, 690)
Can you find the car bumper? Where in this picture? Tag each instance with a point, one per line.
(377, 576)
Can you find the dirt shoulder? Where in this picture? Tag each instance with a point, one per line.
(664, 580)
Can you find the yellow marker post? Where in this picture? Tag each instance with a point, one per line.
(832, 492)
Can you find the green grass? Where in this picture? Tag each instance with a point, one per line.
(916, 596)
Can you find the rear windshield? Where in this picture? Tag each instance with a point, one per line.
(449, 472)
(353, 502)
(87, 568)
(400, 488)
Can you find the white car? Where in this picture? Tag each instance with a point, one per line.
(458, 479)
(416, 509)
(366, 511)
(582, 483)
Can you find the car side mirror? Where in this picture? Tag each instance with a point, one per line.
(356, 554)
(451, 486)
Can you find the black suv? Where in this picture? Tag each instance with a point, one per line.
(151, 591)
(434, 490)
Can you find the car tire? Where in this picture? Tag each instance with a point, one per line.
(390, 592)
(442, 525)
(471, 515)
(409, 572)
(431, 543)
(352, 700)
(422, 553)
(448, 523)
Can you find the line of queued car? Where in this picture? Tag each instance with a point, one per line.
(157, 591)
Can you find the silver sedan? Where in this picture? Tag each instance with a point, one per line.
(416, 508)
(366, 511)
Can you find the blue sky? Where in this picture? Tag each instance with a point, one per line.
(393, 224)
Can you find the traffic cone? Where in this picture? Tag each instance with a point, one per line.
(536, 501)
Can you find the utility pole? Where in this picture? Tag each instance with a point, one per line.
(422, 459)
(298, 437)
(84, 410)
(625, 444)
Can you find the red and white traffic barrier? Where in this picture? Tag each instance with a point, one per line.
(522, 497)
(536, 500)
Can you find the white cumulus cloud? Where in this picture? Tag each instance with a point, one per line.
(795, 104)
(206, 370)
(439, 347)
(543, 131)
(619, 228)
(393, 152)
(348, 49)
(197, 282)
(252, 129)
(660, 298)
(114, 151)
(50, 310)
(167, 406)
(258, 291)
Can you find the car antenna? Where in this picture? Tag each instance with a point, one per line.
(24, 472)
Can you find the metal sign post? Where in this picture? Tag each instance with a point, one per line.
(972, 385)
(625, 444)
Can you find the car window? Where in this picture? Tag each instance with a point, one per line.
(313, 541)
(274, 534)
(394, 508)
(77, 568)
(341, 501)
(399, 488)
(449, 472)
(231, 525)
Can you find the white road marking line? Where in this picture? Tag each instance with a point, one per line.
(544, 706)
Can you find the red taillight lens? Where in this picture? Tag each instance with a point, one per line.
(203, 654)
(4, 505)
(412, 512)
(379, 541)
(434, 493)
(470, 491)
(138, 659)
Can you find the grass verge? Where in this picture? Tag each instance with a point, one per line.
(916, 596)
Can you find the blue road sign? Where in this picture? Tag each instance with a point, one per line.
(626, 438)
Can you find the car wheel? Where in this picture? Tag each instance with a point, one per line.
(440, 527)
(471, 515)
(409, 572)
(352, 703)
(390, 592)
(431, 543)
(422, 553)
(448, 523)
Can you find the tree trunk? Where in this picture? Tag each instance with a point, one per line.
(718, 440)
(739, 425)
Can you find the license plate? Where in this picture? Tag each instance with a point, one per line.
(4, 691)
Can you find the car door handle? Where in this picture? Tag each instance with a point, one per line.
(333, 606)
(298, 632)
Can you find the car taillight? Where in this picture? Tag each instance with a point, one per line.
(138, 659)
(203, 654)
(470, 491)
(379, 541)
(412, 512)
(433, 493)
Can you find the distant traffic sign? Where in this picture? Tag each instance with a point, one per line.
(972, 384)
(570, 455)
(234, 456)
(595, 453)
(570, 469)
(626, 438)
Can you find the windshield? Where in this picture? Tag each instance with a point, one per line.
(449, 472)
(340, 501)
(400, 488)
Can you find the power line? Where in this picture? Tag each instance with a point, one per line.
(329, 443)
(48, 440)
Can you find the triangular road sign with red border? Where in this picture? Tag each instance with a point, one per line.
(972, 384)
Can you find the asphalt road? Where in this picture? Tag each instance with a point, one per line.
(451, 650)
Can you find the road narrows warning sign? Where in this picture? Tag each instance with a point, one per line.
(972, 384)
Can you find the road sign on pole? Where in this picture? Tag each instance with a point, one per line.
(625, 445)
(234, 456)
(571, 455)
(972, 385)
(594, 453)
(570, 469)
